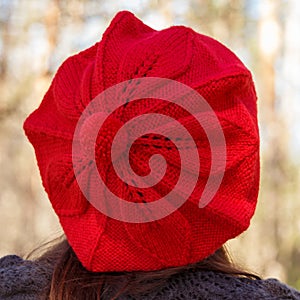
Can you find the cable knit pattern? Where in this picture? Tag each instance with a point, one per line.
(22, 279)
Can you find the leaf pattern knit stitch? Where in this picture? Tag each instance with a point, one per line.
(27, 280)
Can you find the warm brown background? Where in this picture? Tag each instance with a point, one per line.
(37, 35)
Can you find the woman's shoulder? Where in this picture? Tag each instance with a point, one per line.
(26, 279)
(276, 287)
(211, 285)
(23, 279)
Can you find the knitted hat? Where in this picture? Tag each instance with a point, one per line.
(131, 50)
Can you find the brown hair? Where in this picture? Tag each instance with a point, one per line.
(70, 280)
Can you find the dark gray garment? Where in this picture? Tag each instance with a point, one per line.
(24, 279)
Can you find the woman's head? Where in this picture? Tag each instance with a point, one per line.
(71, 280)
(129, 52)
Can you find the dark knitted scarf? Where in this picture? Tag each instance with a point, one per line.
(24, 279)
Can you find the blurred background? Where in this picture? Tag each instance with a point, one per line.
(37, 35)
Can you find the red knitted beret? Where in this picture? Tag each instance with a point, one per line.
(128, 50)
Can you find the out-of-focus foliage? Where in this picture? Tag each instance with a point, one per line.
(36, 36)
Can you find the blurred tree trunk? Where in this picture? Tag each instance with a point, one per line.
(52, 25)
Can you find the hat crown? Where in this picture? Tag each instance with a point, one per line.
(130, 49)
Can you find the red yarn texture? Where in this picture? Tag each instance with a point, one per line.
(130, 49)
